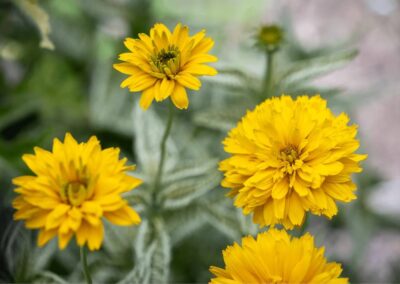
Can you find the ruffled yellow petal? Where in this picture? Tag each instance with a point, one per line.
(179, 97)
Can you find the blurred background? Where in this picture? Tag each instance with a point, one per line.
(56, 76)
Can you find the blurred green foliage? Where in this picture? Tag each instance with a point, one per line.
(44, 93)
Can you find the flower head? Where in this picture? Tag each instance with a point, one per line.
(289, 157)
(72, 188)
(165, 63)
(275, 257)
(270, 37)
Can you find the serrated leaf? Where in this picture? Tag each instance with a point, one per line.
(303, 71)
(182, 192)
(39, 16)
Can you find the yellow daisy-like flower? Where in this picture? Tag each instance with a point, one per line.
(275, 257)
(74, 186)
(289, 157)
(164, 64)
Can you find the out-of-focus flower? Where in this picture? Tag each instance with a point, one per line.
(74, 186)
(165, 63)
(289, 157)
(270, 38)
(275, 257)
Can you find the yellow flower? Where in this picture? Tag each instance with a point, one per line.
(275, 257)
(163, 64)
(289, 157)
(72, 188)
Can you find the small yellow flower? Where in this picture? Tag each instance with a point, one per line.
(289, 157)
(165, 63)
(72, 188)
(275, 257)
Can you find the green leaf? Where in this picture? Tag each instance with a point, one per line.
(110, 106)
(222, 119)
(161, 256)
(152, 261)
(189, 169)
(306, 70)
(184, 221)
(182, 192)
(223, 218)
(40, 18)
(236, 80)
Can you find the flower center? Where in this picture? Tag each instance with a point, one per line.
(289, 154)
(166, 60)
(74, 192)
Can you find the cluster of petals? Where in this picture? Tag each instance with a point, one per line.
(73, 187)
(276, 257)
(288, 157)
(164, 64)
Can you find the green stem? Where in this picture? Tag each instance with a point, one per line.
(267, 88)
(158, 179)
(85, 266)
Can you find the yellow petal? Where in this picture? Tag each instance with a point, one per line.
(95, 236)
(203, 46)
(146, 98)
(46, 235)
(55, 218)
(63, 239)
(179, 97)
(127, 68)
(166, 88)
(296, 211)
(188, 81)
(201, 70)
(280, 189)
(124, 216)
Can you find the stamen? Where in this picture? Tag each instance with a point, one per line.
(166, 60)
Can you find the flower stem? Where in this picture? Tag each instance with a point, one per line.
(267, 87)
(85, 266)
(163, 145)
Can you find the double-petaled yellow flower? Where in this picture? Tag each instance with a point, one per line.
(289, 157)
(275, 257)
(72, 189)
(165, 63)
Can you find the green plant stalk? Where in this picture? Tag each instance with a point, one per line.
(268, 83)
(85, 267)
(158, 179)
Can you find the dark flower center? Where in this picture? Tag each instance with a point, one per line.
(166, 61)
